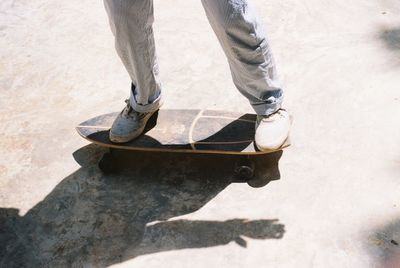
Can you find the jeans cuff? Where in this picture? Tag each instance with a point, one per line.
(145, 108)
(267, 108)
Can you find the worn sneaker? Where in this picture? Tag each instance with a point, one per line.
(273, 130)
(129, 124)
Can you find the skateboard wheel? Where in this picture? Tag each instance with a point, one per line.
(245, 169)
(107, 164)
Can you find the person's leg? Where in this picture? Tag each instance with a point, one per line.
(131, 23)
(243, 39)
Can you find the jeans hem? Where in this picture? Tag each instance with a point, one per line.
(267, 108)
(145, 108)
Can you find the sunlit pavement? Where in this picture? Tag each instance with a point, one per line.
(336, 203)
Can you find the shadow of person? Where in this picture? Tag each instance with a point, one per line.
(96, 219)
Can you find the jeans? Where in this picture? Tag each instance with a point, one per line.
(239, 31)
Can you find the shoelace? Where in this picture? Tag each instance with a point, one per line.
(277, 113)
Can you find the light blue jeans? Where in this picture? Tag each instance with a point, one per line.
(239, 31)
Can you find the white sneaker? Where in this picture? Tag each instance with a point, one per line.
(129, 124)
(272, 131)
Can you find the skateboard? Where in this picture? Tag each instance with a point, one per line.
(184, 131)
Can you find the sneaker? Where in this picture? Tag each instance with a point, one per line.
(129, 124)
(272, 131)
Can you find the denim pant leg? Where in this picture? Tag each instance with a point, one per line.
(243, 39)
(131, 23)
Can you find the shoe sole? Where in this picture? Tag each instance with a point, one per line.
(119, 139)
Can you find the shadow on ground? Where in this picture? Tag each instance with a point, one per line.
(391, 39)
(96, 219)
(384, 245)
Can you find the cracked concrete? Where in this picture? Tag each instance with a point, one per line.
(336, 203)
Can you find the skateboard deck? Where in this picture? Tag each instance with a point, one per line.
(192, 131)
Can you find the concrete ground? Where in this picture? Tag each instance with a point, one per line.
(338, 198)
